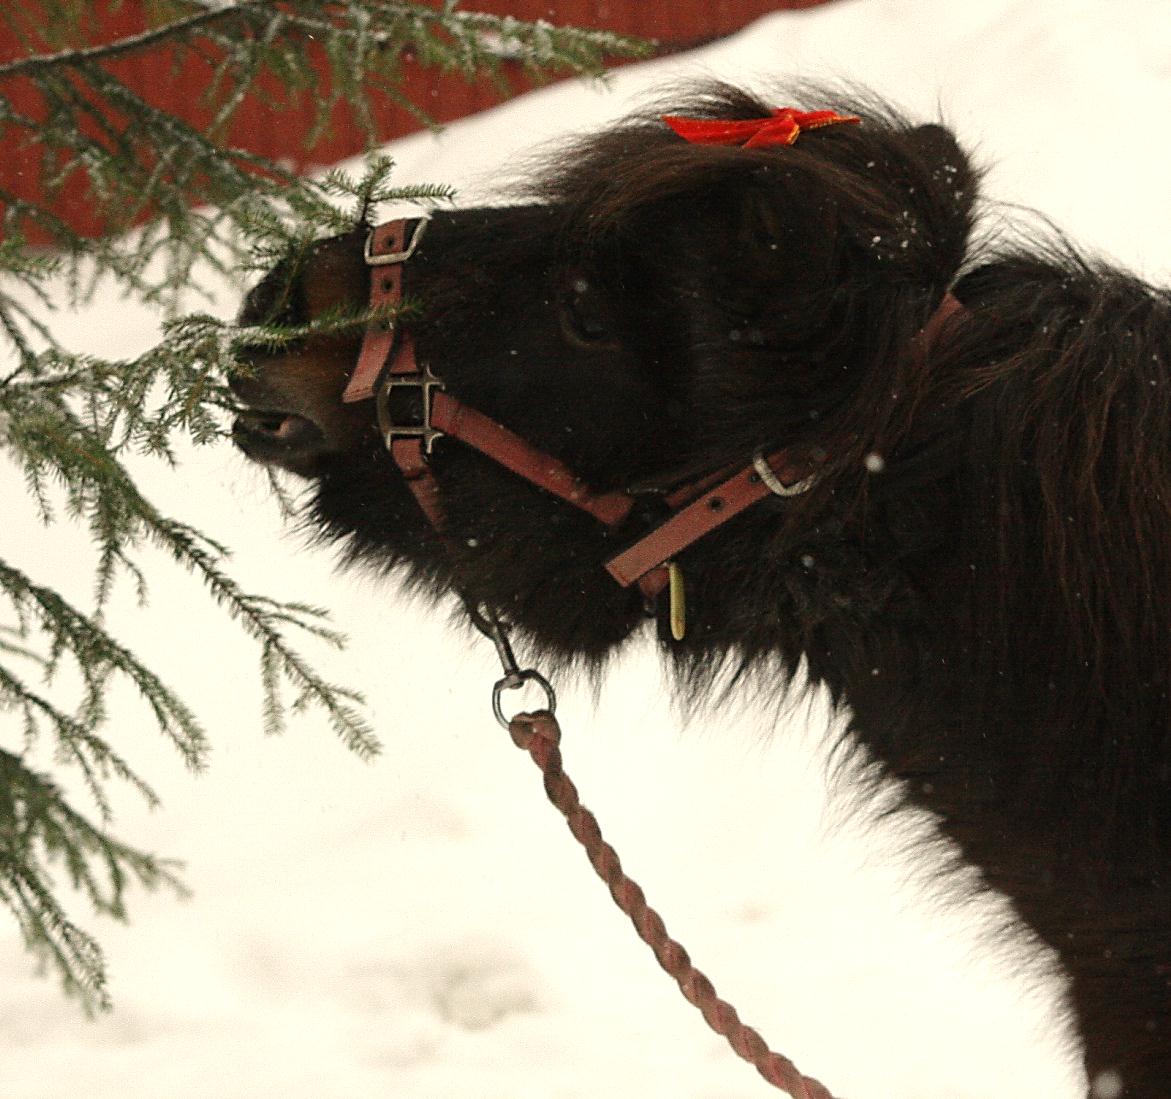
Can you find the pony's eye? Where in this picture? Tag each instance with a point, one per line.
(585, 314)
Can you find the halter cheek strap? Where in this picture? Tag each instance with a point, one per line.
(387, 251)
(387, 367)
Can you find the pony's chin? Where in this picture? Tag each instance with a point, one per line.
(283, 439)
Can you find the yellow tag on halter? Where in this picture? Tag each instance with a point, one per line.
(678, 601)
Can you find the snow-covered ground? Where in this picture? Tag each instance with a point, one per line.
(422, 927)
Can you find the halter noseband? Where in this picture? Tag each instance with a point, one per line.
(387, 364)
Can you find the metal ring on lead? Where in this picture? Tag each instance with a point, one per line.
(373, 260)
(774, 484)
(519, 679)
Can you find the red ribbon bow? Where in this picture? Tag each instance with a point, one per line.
(782, 128)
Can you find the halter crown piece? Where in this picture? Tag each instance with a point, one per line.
(782, 127)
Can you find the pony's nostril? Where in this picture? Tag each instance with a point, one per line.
(263, 422)
(275, 425)
(282, 438)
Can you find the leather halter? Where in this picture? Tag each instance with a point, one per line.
(387, 363)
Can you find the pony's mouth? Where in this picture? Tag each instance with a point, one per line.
(279, 438)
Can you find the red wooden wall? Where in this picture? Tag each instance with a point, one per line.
(267, 125)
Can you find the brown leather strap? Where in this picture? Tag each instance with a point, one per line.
(703, 515)
(416, 470)
(484, 434)
(949, 310)
(386, 290)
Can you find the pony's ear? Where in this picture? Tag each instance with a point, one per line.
(947, 165)
(938, 146)
(945, 189)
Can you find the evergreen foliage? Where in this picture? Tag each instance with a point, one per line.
(70, 421)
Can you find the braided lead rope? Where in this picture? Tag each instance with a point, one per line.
(540, 735)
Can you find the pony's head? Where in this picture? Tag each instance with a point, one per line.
(656, 308)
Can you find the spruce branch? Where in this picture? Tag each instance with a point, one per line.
(179, 200)
(69, 423)
(98, 656)
(66, 59)
(39, 830)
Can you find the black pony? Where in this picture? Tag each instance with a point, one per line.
(977, 558)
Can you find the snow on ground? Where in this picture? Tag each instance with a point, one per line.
(421, 927)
